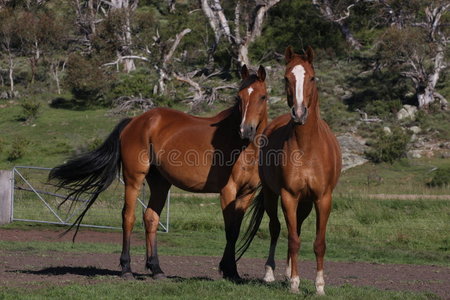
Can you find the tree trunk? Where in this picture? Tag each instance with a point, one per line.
(354, 43)
(243, 54)
(425, 98)
(54, 70)
(11, 77)
(428, 95)
(128, 63)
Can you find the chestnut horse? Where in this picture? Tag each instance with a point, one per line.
(166, 147)
(301, 161)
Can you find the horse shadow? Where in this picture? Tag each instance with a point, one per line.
(94, 271)
(81, 271)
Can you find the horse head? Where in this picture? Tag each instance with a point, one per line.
(252, 99)
(300, 83)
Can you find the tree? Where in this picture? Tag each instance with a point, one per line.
(118, 14)
(39, 32)
(416, 43)
(338, 12)
(7, 35)
(248, 23)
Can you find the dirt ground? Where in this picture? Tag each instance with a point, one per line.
(28, 269)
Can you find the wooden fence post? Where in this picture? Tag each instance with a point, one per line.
(6, 178)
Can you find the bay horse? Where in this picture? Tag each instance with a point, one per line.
(301, 161)
(166, 147)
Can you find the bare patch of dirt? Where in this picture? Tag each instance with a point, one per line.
(25, 269)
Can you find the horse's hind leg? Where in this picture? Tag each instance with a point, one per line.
(159, 188)
(271, 207)
(133, 182)
(323, 208)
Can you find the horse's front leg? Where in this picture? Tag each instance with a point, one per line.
(323, 208)
(233, 211)
(289, 204)
(159, 188)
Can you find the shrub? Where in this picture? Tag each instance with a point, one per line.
(441, 178)
(383, 109)
(18, 148)
(132, 85)
(86, 80)
(388, 147)
(30, 110)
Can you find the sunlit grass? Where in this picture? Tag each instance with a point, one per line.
(197, 289)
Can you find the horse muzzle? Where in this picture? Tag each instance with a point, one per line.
(299, 116)
(248, 132)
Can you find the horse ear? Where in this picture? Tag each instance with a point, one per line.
(309, 54)
(289, 53)
(244, 72)
(261, 73)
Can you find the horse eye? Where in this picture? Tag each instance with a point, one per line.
(263, 97)
(313, 78)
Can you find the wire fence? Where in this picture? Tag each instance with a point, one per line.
(35, 200)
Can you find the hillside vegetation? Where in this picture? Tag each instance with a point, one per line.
(69, 70)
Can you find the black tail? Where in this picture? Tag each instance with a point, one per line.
(257, 213)
(90, 173)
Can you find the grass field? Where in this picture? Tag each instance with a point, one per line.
(199, 289)
(411, 231)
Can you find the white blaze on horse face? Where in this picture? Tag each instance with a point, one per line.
(250, 90)
(299, 74)
(244, 115)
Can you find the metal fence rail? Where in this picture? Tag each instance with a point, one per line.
(29, 185)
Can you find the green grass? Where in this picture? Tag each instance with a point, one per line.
(403, 177)
(198, 289)
(379, 231)
(53, 136)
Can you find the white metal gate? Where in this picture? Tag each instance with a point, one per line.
(30, 184)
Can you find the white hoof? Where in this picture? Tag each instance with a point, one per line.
(320, 291)
(295, 282)
(269, 277)
(320, 283)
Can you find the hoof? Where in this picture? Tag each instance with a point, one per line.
(268, 276)
(127, 276)
(159, 276)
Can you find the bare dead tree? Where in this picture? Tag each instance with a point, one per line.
(88, 14)
(131, 105)
(162, 66)
(91, 12)
(250, 22)
(7, 33)
(334, 14)
(418, 43)
(202, 93)
(126, 9)
(172, 5)
(57, 67)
